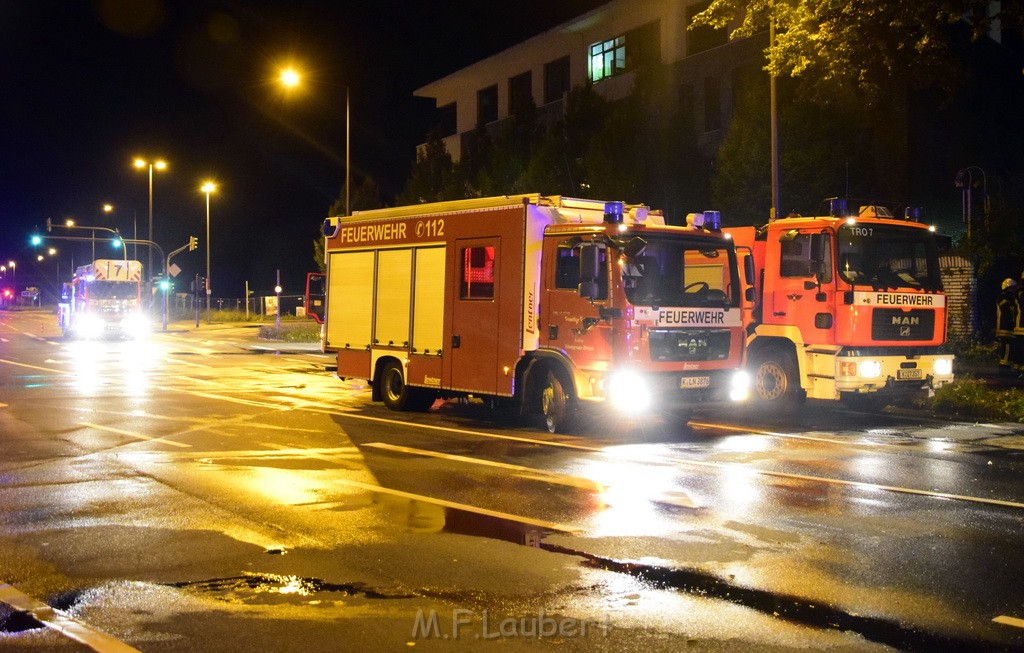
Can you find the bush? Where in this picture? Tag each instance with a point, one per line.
(307, 331)
(970, 397)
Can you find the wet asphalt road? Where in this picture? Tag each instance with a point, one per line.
(193, 493)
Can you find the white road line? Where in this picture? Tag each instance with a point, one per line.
(552, 477)
(132, 434)
(1009, 621)
(33, 367)
(57, 620)
(681, 461)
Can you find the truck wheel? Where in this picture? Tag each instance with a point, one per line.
(399, 396)
(776, 379)
(556, 405)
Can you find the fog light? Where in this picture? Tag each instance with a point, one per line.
(943, 367)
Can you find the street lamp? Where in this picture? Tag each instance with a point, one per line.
(208, 187)
(14, 272)
(159, 164)
(291, 78)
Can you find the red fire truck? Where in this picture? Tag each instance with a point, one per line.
(547, 304)
(845, 307)
(103, 298)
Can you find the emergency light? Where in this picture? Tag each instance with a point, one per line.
(613, 212)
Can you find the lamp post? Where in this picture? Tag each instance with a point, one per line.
(14, 272)
(208, 187)
(159, 164)
(291, 78)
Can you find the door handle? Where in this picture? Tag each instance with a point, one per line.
(553, 332)
(456, 342)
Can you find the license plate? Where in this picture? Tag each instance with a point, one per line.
(909, 374)
(695, 382)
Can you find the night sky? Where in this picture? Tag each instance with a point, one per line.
(88, 86)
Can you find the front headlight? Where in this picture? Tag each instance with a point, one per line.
(870, 369)
(628, 391)
(90, 326)
(136, 325)
(739, 386)
(943, 366)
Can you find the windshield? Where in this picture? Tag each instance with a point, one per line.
(113, 290)
(888, 257)
(679, 271)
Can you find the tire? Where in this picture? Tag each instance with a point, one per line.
(397, 395)
(556, 405)
(776, 379)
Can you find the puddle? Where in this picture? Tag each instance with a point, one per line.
(250, 585)
(791, 608)
(16, 621)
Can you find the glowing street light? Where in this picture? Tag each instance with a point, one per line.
(292, 78)
(208, 187)
(142, 164)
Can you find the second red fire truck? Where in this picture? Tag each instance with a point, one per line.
(550, 304)
(847, 307)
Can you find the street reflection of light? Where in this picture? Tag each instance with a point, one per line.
(293, 585)
(627, 503)
(939, 445)
(870, 466)
(284, 487)
(744, 444)
(741, 488)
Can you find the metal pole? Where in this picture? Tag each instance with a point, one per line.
(149, 263)
(246, 300)
(348, 145)
(209, 288)
(277, 291)
(773, 110)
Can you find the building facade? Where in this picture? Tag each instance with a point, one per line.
(604, 47)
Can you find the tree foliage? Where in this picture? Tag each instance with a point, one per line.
(839, 47)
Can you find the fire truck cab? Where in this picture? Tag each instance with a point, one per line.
(103, 298)
(846, 307)
(552, 305)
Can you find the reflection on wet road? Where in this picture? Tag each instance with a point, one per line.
(185, 460)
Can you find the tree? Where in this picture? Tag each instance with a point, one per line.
(364, 197)
(865, 47)
(433, 177)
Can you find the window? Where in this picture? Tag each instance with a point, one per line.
(477, 273)
(567, 270)
(712, 104)
(607, 59)
(615, 56)
(520, 92)
(702, 37)
(487, 105)
(446, 119)
(806, 255)
(556, 79)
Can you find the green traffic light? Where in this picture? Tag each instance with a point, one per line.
(165, 285)
(116, 243)
(36, 240)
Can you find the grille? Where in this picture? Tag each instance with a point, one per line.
(894, 324)
(689, 345)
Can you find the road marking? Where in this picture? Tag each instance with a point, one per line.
(34, 367)
(1009, 621)
(741, 429)
(529, 521)
(132, 434)
(567, 445)
(553, 477)
(57, 620)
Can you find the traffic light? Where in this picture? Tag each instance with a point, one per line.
(116, 243)
(36, 240)
(193, 242)
(165, 284)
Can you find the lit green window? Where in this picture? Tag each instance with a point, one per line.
(607, 58)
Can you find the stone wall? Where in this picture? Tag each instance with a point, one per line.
(961, 287)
